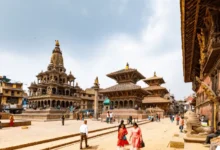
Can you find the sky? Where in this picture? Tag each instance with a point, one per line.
(96, 37)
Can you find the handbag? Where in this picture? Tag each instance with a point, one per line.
(142, 144)
(124, 137)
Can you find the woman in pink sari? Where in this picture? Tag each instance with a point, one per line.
(136, 137)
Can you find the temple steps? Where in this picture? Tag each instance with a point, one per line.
(66, 140)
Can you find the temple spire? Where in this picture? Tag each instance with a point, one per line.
(57, 43)
(127, 66)
(96, 81)
(155, 74)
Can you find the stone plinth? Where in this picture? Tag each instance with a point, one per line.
(194, 139)
(5, 115)
(43, 115)
(16, 123)
(125, 113)
(176, 142)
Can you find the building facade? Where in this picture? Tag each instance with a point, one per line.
(201, 53)
(11, 95)
(57, 89)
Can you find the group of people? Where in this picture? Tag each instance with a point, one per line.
(180, 122)
(135, 137)
(109, 117)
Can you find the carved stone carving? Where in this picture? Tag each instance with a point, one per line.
(194, 127)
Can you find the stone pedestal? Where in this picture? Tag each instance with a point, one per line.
(176, 142)
(42, 115)
(125, 113)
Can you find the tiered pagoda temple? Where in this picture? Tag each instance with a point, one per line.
(55, 88)
(126, 95)
(156, 99)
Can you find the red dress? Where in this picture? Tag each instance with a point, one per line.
(136, 137)
(11, 121)
(121, 140)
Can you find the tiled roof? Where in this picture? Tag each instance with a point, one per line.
(125, 71)
(121, 87)
(153, 78)
(150, 88)
(155, 99)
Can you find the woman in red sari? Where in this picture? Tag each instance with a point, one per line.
(122, 140)
(136, 137)
(11, 121)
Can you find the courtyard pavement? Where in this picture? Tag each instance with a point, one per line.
(157, 136)
(12, 136)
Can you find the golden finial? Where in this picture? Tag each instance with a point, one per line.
(155, 74)
(96, 81)
(127, 66)
(57, 43)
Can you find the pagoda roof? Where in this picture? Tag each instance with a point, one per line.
(122, 87)
(124, 71)
(154, 99)
(155, 87)
(154, 78)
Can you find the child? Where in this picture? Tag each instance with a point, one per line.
(181, 124)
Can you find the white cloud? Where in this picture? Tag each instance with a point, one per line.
(115, 52)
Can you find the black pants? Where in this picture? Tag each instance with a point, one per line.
(83, 136)
(209, 137)
(63, 122)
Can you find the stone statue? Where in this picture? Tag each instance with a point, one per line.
(193, 125)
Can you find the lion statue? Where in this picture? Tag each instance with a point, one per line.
(193, 125)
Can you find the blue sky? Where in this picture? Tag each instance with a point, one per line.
(97, 37)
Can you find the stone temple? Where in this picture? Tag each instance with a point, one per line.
(129, 99)
(55, 92)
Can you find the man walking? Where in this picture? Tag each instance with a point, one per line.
(111, 116)
(83, 134)
(63, 118)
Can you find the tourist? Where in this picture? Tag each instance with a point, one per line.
(177, 120)
(83, 134)
(213, 135)
(159, 117)
(156, 117)
(107, 117)
(122, 123)
(63, 118)
(171, 118)
(77, 115)
(81, 116)
(135, 137)
(181, 124)
(111, 116)
(122, 140)
(11, 121)
(130, 120)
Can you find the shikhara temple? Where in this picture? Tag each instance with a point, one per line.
(57, 89)
(129, 99)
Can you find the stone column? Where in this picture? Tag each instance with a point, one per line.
(96, 97)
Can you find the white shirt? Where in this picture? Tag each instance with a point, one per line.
(83, 129)
(111, 114)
